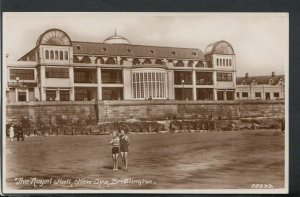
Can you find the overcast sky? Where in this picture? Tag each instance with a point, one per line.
(260, 41)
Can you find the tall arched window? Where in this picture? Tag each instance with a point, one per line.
(47, 54)
(51, 55)
(223, 62)
(217, 61)
(230, 63)
(66, 55)
(56, 55)
(61, 55)
(149, 84)
(226, 62)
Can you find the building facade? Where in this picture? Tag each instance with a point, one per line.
(65, 70)
(260, 87)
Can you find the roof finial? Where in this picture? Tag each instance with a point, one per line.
(115, 31)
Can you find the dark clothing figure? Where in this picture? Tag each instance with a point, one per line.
(20, 133)
(124, 143)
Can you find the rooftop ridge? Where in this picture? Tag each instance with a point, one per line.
(136, 45)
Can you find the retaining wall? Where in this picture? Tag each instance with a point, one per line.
(145, 110)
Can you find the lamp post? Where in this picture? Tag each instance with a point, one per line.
(182, 82)
(17, 86)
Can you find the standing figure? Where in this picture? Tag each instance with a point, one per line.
(11, 132)
(115, 143)
(124, 143)
(20, 132)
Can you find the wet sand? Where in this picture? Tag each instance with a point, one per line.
(214, 160)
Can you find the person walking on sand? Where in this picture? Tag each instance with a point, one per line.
(115, 143)
(124, 143)
(11, 132)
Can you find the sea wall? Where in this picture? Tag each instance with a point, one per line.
(109, 111)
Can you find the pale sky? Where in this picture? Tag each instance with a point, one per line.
(260, 41)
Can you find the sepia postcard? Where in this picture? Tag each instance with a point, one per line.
(97, 102)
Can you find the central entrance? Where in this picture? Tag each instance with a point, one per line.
(149, 83)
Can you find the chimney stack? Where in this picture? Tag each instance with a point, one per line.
(246, 75)
(273, 74)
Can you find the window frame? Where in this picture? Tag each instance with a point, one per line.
(13, 76)
(57, 73)
(222, 76)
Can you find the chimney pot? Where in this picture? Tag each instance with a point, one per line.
(246, 75)
(273, 74)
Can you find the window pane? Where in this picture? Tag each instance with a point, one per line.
(23, 74)
(224, 76)
(64, 95)
(111, 76)
(21, 96)
(182, 75)
(50, 95)
(57, 72)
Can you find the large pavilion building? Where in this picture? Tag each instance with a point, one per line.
(115, 69)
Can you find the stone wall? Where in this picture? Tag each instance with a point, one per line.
(144, 110)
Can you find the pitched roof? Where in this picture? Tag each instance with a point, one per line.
(90, 48)
(30, 55)
(259, 79)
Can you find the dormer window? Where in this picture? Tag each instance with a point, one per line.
(194, 53)
(129, 50)
(271, 81)
(104, 49)
(254, 82)
(151, 51)
(78, 47)
(244, 82)
(173, 52)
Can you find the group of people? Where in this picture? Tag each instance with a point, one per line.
(119, 144)
(16, 129)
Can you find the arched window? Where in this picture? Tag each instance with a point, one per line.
(66, 55)
(226, 62)
(190, 64)
(51, 55)
(179, 64)
(136, 61)
(110, 60)
(158, 61)
(200, 64)
(61, 55)
(99, 60)
(230, 63)
(122, 61)
(47, 54)
(223, 62)
(56, 55)
(147, 61)
(86, 60)
(217, 61)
